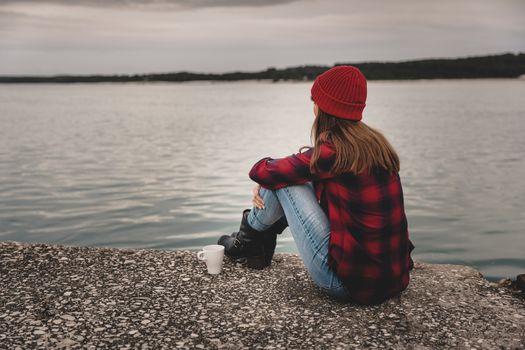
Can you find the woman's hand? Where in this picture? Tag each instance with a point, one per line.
(257, 199)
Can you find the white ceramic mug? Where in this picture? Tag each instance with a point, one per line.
(213, 255)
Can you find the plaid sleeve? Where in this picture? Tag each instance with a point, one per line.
(292, 170)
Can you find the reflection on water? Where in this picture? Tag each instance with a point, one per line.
(166, 165)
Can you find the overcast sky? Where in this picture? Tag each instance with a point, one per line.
(45, 37)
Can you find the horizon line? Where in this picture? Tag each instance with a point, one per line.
(515, 53)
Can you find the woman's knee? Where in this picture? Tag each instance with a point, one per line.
(267, 193)
(273, 211)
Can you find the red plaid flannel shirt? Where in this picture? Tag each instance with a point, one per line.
(369, 246)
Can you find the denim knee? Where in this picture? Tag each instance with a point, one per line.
(261, 219)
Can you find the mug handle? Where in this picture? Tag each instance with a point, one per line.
(201, 255)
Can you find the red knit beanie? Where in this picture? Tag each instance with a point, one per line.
(341, 92)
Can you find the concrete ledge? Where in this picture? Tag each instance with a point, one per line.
(97, 298)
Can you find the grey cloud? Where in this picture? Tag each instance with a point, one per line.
(135, 36)
(157, 3)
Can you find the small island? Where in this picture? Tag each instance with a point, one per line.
(507, 65)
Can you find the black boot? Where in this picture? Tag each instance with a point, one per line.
(245, 245)
(270, 238)
(256, 247)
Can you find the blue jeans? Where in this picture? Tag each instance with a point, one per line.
(310, 229)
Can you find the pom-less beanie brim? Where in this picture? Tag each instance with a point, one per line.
(333, 106)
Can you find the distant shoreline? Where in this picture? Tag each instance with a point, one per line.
(262, 81)
(478, 67)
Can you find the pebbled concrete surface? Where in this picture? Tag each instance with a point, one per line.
(55, 297)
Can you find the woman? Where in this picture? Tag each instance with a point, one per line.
(341, 198)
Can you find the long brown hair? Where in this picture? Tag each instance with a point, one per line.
(358, 147)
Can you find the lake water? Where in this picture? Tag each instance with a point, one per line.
(165, 166)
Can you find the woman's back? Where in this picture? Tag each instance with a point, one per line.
(369, 246)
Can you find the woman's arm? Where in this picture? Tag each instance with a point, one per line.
(292, 170)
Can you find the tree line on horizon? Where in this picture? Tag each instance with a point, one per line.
(494, 66)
